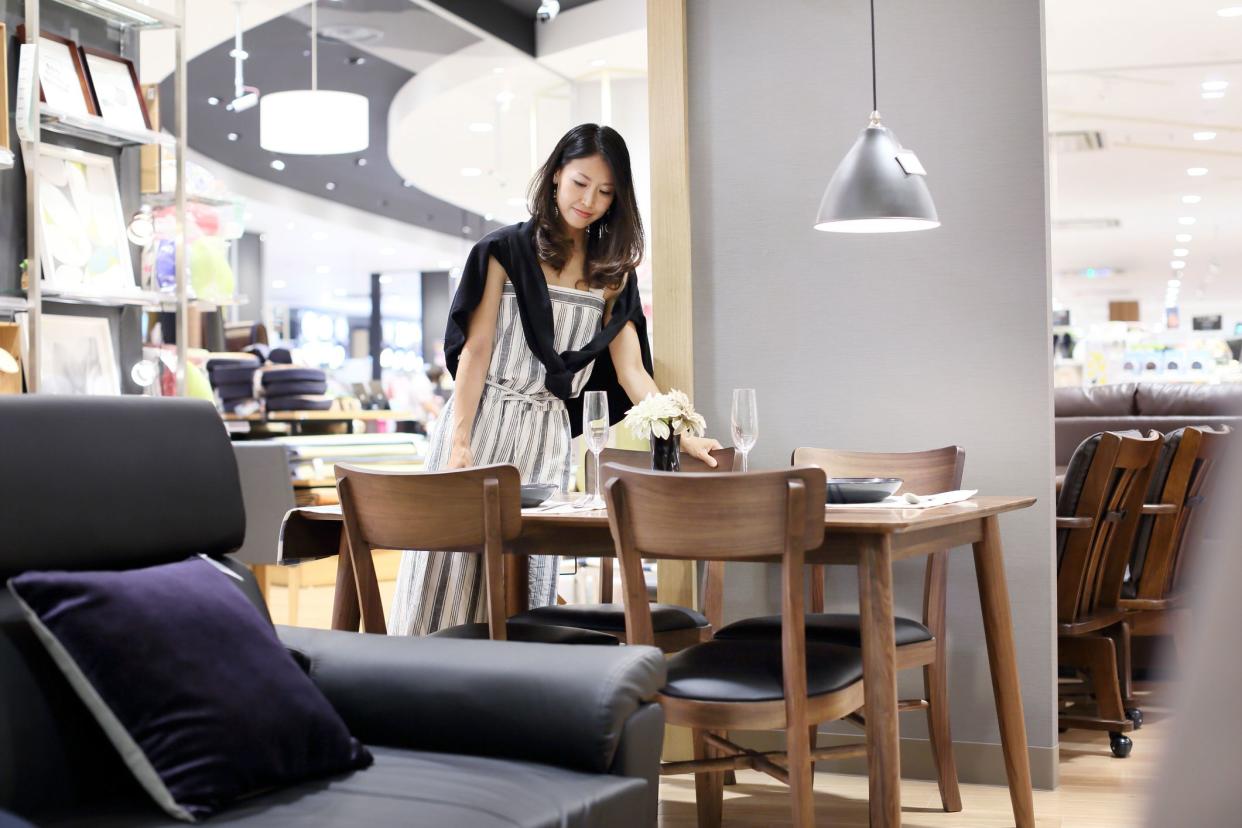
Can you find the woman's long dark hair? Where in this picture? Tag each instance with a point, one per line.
(618, 249)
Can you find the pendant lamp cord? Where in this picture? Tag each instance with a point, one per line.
(315, 46)
(875, 107)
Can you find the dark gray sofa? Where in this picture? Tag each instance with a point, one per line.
(1163, 406)
(464, 733)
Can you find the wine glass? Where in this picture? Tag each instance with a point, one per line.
(595, 430)
(745, 423)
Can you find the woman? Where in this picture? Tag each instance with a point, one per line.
(546, 309)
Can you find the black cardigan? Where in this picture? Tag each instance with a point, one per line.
(514, 249)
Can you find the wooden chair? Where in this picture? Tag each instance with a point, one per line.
(1098, 512)
(1150, 595)
(919, 644)
(717, 686)
(466, 510)
(675, 627)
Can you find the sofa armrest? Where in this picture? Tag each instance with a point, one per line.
(555, 704)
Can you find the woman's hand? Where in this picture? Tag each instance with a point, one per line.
(460, 457)
(699, 448)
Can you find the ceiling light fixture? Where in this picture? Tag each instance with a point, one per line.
(1191, 199)
(331, 185)
(878, 187)
(1215, 85)
(277, 165)
(213, 101)
(314, 121)
(232, 136)
(1196, 171)
(1206, 135)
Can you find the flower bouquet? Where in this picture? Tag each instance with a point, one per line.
(664, 418)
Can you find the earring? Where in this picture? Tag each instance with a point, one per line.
(555, 210)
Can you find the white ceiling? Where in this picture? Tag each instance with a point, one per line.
(1132, 70)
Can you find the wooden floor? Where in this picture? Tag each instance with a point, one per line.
(1097, 791)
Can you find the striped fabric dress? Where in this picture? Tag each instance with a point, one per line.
(519, 422)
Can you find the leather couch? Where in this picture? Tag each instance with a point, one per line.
(464, 733)
(1081, 412)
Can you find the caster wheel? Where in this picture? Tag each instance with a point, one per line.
(1135, 715)
(1120, 744)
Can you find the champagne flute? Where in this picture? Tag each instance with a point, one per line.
(595, 430)
(745, 423)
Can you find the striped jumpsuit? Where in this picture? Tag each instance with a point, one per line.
(519, 422)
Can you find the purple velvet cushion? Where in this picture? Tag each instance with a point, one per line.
(189, 682)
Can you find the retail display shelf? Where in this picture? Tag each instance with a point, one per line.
(94, 128)
(133, 14)
(319, 416)
(170, 200)
(139, 298)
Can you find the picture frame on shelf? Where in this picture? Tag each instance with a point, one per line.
(85, 247)
(62, 76)
(76, 355)
(114, 88)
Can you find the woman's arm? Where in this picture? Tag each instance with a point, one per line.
(627, 358)
(476, 355)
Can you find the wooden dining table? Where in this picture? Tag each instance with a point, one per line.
(869, 539)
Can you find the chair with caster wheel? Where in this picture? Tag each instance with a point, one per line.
(1098, 512)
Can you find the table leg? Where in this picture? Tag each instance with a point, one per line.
(1002, 658)
(879, 648)
(517, 584)
(345, 612)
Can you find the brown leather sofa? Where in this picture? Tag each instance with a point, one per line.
(1081, 412)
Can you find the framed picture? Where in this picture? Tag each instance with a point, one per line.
(62, 79)
(76, 355)
(4, 90)
(84, 243)
(115, 90)
(1207, 323)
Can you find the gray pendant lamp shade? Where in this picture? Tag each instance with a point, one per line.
(879, 187)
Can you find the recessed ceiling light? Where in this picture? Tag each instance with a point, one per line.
(263, 237)
(280, 284)
(481, 126)
(1183, 237)
(466, 230)
(331, 185)
(385, 279)
(1181, 251)
(357, 60)
(1177, 264)
(277, 165)
(232, 136)
(1191, 199)
(1211, 96)
(322, 269)
(1230, 11)
(1215, 86)
(471, 172)
(488, 216)
(319, 235)
(1196, 171)
(213, 101)
(407, 184)
(1206, 135)
(1186, 220)
(361, 162)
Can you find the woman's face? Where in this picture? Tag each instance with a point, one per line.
(584, 191)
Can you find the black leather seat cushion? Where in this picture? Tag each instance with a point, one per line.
(826, 628)
(273, 376)
(611, 617)
(750, 671)
(297, 388)
(423, 790)
(299, 403)
(536, 633)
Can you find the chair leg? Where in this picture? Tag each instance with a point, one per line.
(1102, 675)
(708, 786)
(936, 686)
(813, 738)
(801, 780)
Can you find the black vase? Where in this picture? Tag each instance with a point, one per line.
(665, 453)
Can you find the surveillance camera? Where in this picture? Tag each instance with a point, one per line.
(548, 10)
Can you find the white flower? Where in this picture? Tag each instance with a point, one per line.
(663, 415)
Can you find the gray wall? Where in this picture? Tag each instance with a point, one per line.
(436, 303)
(888, 342)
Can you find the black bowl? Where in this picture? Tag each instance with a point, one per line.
(844, 490)
(535, 493)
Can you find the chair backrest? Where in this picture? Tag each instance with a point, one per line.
(428, 510)
(1104, 488)
(761, 516)
(921, 472)
(1179, 478)
(267, 490)
(642, 460)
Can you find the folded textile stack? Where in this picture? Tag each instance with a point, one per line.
(295, 389)
(232, 378)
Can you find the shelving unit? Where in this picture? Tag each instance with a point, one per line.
(128, 15)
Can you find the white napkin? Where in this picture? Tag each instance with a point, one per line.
(552, 509)
(899, 502)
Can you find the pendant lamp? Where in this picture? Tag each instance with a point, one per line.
(314, 121)
(879, 187)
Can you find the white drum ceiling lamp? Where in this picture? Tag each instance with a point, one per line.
(314, 121)
(879, 187)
